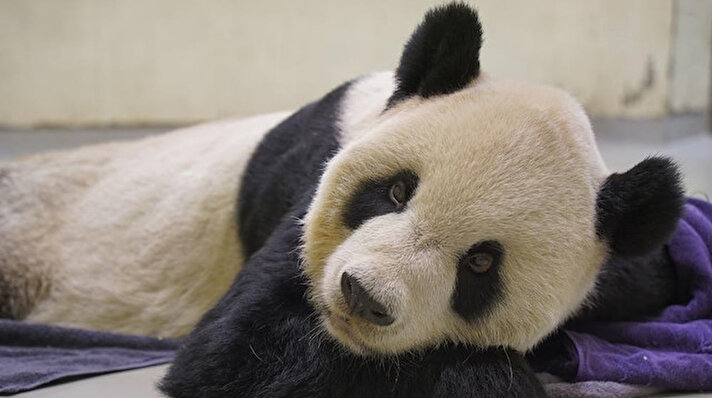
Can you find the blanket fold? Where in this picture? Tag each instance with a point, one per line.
(672, 350)
(32, 355)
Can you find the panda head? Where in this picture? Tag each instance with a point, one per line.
(471, 210)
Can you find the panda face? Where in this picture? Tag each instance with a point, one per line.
(462, 208)
(469, 217)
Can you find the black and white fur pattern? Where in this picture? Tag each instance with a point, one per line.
(484, 161)
(492, 165)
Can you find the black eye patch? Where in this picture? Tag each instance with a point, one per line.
(476, 289)
(375, 198)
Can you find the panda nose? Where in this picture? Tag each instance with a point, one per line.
(362, 304)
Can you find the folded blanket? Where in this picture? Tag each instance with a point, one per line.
(672, 350)
(557, 388)
(32, 355)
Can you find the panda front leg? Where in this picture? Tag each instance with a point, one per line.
(263, 339)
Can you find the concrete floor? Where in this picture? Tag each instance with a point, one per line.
(693, 153)
(139, 383)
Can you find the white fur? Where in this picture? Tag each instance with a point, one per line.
(498, 160)
(135, 237)
(364, 102)
(140, 237)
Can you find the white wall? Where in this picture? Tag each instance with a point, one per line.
(691, 56)
(97, 62)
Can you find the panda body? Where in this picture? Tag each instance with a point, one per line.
(408, 234)
(291, 353)
(313, 316)
(346, 116)
(114, 237)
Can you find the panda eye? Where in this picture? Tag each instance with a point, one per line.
(483, 256)
(478, 284)
(398, 193)
(480, 262)
(377, 197)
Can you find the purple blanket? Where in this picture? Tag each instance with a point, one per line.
(672, 350)
(33, 355)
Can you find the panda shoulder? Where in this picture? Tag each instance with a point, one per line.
(364, 101)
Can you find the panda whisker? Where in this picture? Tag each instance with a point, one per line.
(511, 372)
(255, 354)
(468, 358)
(315, 334)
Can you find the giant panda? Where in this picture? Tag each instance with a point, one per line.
(412, 233)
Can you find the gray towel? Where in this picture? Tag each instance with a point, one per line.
(32, 355)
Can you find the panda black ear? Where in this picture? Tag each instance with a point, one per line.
(638, 210)
(442, 55)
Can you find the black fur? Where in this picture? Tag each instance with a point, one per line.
(639, 209)
(443, 54)
(637, 212)
(286, 167)
(371, 199)
(261, 340)
(474, 294)
(629, 288)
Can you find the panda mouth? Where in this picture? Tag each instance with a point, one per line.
(343, 330)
